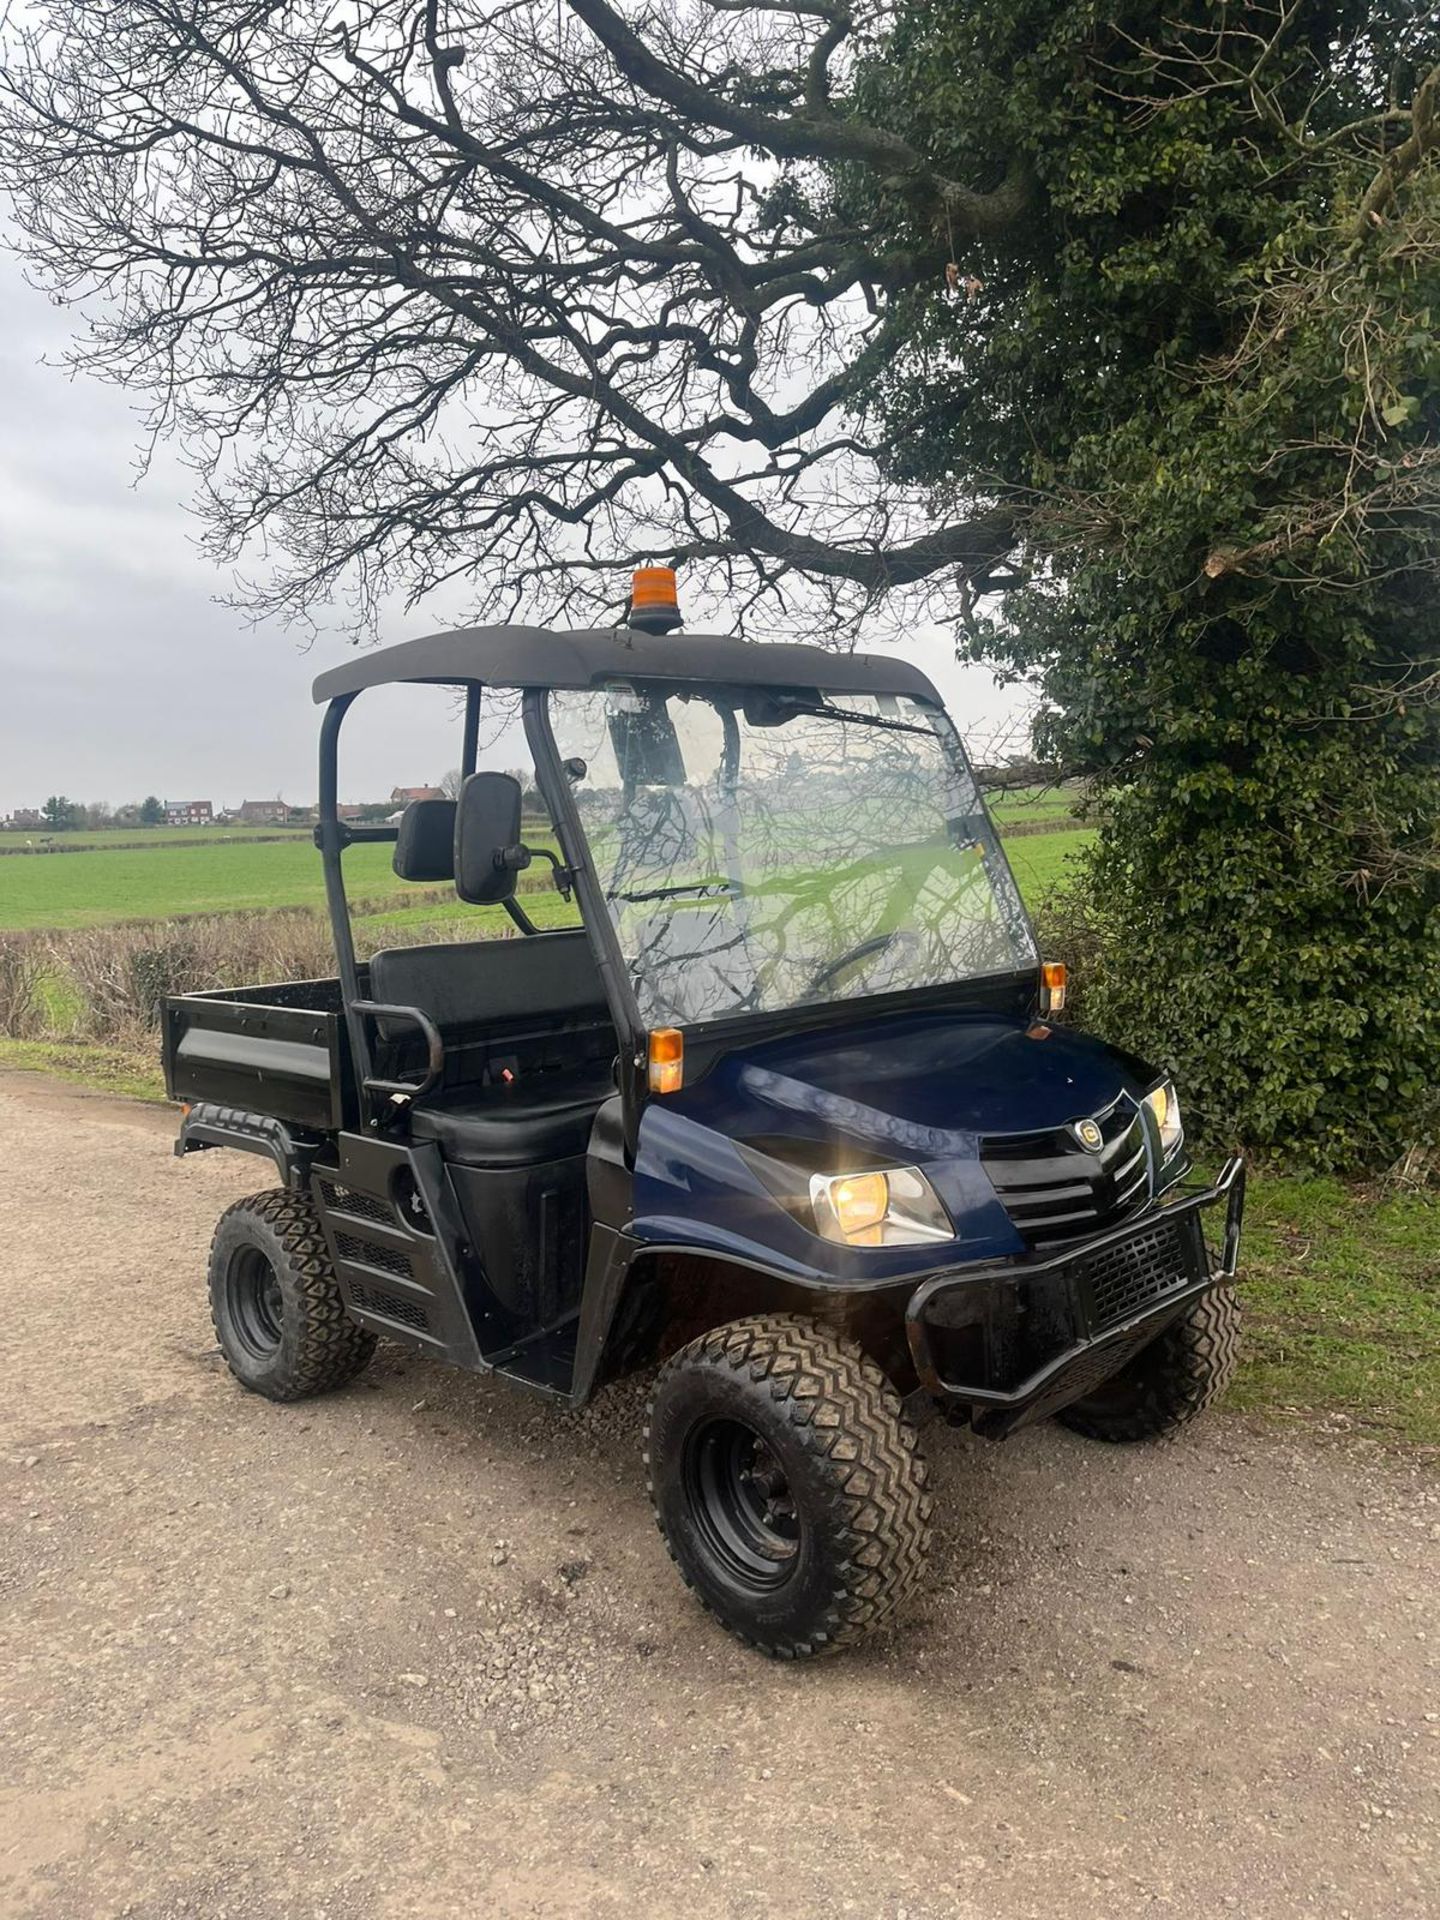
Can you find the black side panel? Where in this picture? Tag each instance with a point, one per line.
(606, 1272)
(530, 1224)
(611, 1187)
(609, 1178)
(398, 1247)
(287, 1061)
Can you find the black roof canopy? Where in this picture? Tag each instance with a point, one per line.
(543, 657)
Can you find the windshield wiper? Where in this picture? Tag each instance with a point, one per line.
(670, 893)
(819, 710)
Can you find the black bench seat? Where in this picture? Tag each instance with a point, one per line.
(531, 1007)
(516, 1125)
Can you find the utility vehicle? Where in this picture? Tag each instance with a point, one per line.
(784, 1109)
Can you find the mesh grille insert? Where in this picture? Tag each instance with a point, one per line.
(1089, 1371)
(374, 1300)
(1125, 1279)
(349, 1248)
(361, 1205)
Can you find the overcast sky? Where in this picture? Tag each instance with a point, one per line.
(122, 677)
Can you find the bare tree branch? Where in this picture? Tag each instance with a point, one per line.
(445, 293)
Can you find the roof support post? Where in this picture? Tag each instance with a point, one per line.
(331, 838)
(470, 749)
(594, 909)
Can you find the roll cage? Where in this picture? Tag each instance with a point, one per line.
(535, 662)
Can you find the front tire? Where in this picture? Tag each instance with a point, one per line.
(788, 1484)
(1170, 1382)
(276, 1307)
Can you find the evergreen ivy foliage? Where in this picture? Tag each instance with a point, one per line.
(1208, 377)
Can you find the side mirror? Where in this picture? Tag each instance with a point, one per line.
(487, 838)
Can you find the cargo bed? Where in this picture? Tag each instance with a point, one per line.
(281, 1049)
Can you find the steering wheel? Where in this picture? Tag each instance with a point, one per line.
(878, 943)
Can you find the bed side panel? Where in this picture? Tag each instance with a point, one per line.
(289, 1062)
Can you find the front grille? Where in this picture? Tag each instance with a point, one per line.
(390, 1306)
(1125, 1279)
(1054, 1189)
(367, 1253)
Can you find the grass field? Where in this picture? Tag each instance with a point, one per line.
(210, 874)
(114, 838)
(1040, 860)
(546, 909)
(157, 882)
(1033, 803)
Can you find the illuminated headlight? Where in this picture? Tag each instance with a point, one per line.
(898, 1208)
(1166, 1109)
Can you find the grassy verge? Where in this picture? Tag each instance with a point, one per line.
(108, 1069)
(1342, 1290)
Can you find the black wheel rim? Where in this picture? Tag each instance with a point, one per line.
(741, 1503)
(254, 1302)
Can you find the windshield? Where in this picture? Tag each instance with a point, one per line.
(762, 849)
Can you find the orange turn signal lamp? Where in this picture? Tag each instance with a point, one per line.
(654, 599)
(667, 1060)
(1054, 982)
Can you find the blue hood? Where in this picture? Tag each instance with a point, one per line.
(919, 1090)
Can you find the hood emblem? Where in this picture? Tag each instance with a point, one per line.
(1089, 1135)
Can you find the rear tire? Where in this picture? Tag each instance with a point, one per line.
(1168, 1383)
(276, 1307)
(788, 1484)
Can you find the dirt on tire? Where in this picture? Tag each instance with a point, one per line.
(415, 1651)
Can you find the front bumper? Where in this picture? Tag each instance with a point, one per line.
(1013, 1344)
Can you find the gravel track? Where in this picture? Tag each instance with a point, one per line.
(416, 1650)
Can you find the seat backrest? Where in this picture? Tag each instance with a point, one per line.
(425, 844)
(484, 983)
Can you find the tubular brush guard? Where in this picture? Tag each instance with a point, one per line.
(1015, 1343)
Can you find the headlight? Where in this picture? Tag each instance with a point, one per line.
(1166, 1109)
(898, 1208)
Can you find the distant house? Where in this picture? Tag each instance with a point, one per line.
(25, 819)
(188, 813)
(265, 813)
(402, 796)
